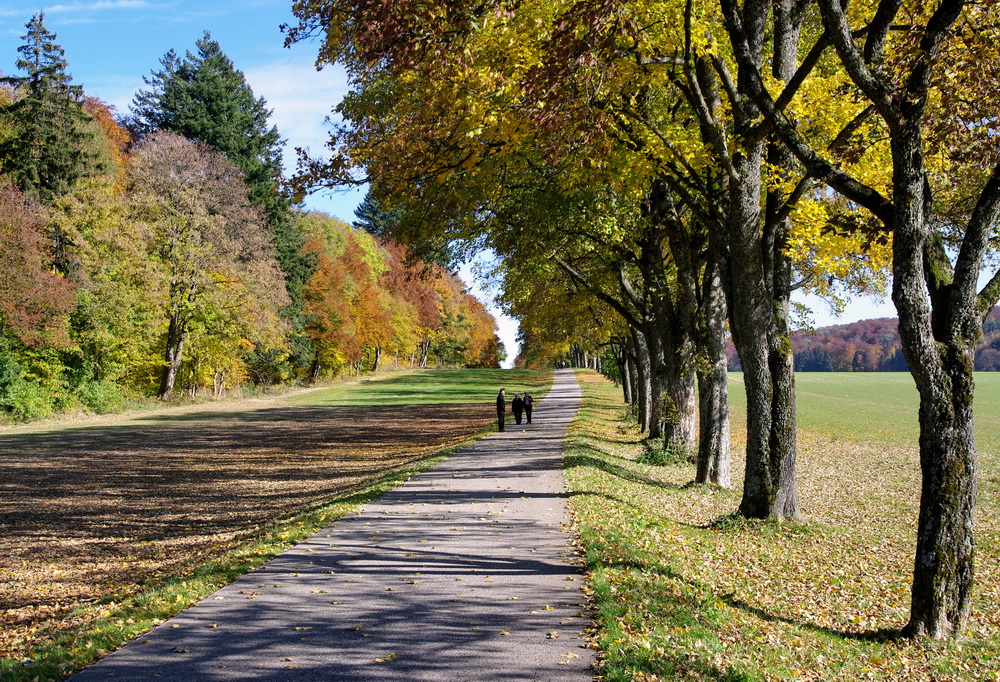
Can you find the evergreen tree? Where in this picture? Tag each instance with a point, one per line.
(204, 97)
(47, 150)
(374, 219)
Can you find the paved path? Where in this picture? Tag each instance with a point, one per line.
(465, 573)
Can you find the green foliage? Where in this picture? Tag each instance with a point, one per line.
(26, 400)
(658, 453)
(47, 152)
(31, 384)
(374, 219)
(100, 396)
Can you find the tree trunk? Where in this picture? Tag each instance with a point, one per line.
(623, 370)
(680, 413)
(176, 337)
(377, 358)
(943, 567)
(659, 396)
(644, 371)
(941, 364)
(713, 386)
(633, 375)
(769, 485)
(757, 294)
(314, 370)
(425, 350)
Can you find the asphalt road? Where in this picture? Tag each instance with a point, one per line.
(465, 573)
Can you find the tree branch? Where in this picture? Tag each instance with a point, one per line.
(878, 30)
(598, 293)
(817, 166)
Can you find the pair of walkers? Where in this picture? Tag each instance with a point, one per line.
(518, 406)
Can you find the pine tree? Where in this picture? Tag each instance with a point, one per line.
(48, 150)
(204, 97)
(374, 219)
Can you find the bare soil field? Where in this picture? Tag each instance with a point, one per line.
(98, 506)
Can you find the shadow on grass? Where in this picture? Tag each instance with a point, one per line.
(877, 636)
(598, 461)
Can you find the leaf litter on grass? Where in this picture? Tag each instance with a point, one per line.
(684, 590)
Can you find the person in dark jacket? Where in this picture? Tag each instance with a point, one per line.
(517, 406)
(501, 408)
(528, 402)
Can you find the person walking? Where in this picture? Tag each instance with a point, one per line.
(517, 406)
(528, 401)
(501, 408)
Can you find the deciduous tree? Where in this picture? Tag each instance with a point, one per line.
(209, 241)
(901, 82)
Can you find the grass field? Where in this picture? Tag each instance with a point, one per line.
(429, 388)
(877, 406)
(112, 524)
(683, 590)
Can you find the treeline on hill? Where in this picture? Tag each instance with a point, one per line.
(871, 346)
(156, 253)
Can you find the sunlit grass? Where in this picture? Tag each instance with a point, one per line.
(429, 387)
(685, 590)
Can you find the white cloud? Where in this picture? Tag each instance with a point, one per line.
(301, 98)
(99, 6)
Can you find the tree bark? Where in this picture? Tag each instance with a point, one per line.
(176, 336)
(714, 454)
(626, 374)
(643, 384)
(941, 365)
(757, 300)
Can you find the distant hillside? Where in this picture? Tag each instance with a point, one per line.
(872, 346)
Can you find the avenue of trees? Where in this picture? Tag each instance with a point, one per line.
(158, 252)
(653, 174)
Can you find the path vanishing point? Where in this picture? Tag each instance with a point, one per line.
(465, 573)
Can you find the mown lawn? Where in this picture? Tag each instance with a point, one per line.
(435, 387)
(683, 590)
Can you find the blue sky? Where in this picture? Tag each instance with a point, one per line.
(112, 44)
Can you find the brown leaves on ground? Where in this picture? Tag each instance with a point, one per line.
(698, 594)
(96, 509)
